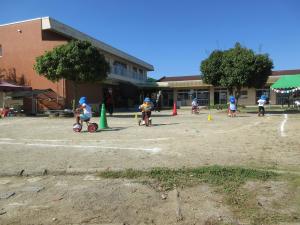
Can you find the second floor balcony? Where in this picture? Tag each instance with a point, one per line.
(124, 72)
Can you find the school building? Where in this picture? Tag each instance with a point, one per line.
(21, 42)
(183, 89)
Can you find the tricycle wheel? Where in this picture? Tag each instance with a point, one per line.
(92, 127)
(77, 127)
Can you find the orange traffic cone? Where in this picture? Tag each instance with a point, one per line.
(174, 109)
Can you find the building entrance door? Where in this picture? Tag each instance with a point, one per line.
(202, 97)
(220, 97)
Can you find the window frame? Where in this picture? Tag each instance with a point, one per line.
(141, 71)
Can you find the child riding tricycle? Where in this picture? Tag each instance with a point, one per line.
(146, 109)
(195, 106)
(84, 114)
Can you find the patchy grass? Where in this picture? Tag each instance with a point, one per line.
(228, 177)
(227, 181)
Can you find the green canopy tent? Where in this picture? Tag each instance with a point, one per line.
(287, 84)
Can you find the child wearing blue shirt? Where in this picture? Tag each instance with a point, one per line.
(84, 112)
(232, 106)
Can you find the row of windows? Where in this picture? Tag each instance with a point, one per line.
(121, 68)
(124, 66)
(243, 93)
(140, 71)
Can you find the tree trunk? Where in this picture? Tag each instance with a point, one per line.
(237, 94)
(230, 91)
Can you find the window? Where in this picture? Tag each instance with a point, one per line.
(141, 71)
(135, 73)
(202, 96)
(120, 64)
(0, 50)
(183, 94)
(119, 68)
(260, 92)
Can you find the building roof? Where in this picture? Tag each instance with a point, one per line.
(63, 29)
(285, 72)
(180, 78)
(199, 77)
(6, 87)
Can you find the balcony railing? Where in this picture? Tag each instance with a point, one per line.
(130, 74)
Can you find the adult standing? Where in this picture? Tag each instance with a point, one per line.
(109, 104)
(158, 101)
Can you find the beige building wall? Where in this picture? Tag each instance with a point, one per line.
(248, 99)
(197, 84)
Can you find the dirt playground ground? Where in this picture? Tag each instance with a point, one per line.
(59, 182)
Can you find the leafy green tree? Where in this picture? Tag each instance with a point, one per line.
(263, 65)
(236, 68)
(151, 80)
(77, 61)
(211, 68)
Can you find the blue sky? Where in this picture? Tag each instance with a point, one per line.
(175, 36)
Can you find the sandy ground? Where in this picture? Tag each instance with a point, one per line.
(91, 200)
(36, 144)
(33, 145)
(63, 200)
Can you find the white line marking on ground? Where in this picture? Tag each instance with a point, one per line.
(283, 134)
(66, 140)
(7, 139)
(5, 123)
(156, 139)
(153, 150)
